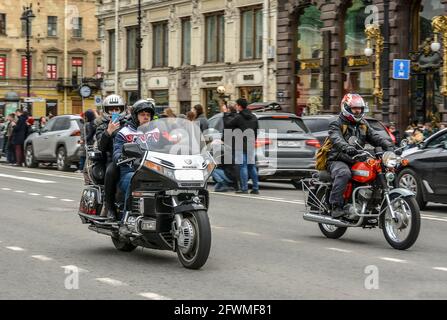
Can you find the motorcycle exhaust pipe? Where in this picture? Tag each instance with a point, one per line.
(329, 220)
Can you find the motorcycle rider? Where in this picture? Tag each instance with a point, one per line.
(105, 133)
(142, 113)
(340, 158)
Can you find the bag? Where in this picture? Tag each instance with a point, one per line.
(322, 153)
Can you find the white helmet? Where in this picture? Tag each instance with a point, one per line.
(113, 101)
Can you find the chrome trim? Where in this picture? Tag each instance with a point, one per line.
(427, 187)
(331, 221)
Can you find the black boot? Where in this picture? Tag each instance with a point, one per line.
(337, 211)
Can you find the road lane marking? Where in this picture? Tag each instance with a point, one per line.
(217, 227)
(250, 233)
(153, 296)
(435, 219)
(6, 189)
(67, 200)
(440, 268)
(393, 259)
(289, 240)
(258, 198)
(41, 258)
(339, 250)
(15, 248)
(50, 197)
(73, 268)
(34, 194)
(25, 178)
(112, 282)
(52, 175)
(19, 191)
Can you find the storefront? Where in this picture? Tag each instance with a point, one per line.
(161, 98)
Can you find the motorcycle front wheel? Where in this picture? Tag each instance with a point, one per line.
(195, 254)
(403, 232)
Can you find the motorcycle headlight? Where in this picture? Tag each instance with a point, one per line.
(390, 159)
(210, 165)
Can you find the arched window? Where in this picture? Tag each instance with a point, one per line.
(358, 71)
(309, 49)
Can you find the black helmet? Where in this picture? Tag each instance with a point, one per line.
(139, 106)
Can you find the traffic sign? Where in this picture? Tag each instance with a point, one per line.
(34, 99)
(401, 69)
(98, 101)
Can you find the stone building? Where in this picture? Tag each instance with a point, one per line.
(190, 49)
(321, 56)
(59, 34)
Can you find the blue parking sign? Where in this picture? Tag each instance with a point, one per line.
(401, 69)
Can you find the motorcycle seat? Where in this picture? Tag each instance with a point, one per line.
(324, 176)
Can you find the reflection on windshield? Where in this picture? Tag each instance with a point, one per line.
(171, 135)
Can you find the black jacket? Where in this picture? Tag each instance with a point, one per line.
(20, 130)
(340, 140)
(105, 141)
(245, 120)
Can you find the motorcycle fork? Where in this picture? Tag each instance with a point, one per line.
(386, 193)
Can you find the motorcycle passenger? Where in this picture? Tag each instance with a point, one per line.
(142, 113)
(340, 158)
(113, 107)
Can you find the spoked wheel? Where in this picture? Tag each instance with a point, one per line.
(329, 230)
(30, 160)
(61, 159)
(123, 245)
(408, 179)
(194, 242)
(402, 232)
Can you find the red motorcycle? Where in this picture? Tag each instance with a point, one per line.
(370, 200)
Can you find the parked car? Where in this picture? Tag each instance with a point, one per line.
(58, 141)
(426, 174)
(319, 126)
(288, 154)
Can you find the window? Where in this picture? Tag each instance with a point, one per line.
(317, 125)
(30, 29)
(52, 26)
(76, 69)
(438, 141)
(52, 68)
(98, 70)
(3, 69)
(77, 27)
(215, 37)
(100, 29)
(2, 24)
(24, 69)
(61, 124)
(131, 49)
(161, 97)
(112, 50)
(283, 125)
(251, 94)
(186, 41)
(51, 107)
(160, 44)
(251, 38)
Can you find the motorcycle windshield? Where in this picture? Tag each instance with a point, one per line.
(171, 136)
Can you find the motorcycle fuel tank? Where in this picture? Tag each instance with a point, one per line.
(362, 172)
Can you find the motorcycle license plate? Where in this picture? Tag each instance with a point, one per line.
(289, 143)
(189, 175)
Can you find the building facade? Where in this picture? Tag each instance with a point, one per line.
(190, 49)
(65, 53)
(321, 57)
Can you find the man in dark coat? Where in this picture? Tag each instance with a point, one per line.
(341, 156)
(19, 133)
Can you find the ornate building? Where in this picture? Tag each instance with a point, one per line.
(65, 52)
(321, 54)
(191, 48)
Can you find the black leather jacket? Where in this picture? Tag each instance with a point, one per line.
(340, 140)
(105, 141)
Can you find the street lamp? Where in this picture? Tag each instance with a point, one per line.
(27, 16)
(139, 46)
(373, 34)
(439, 24)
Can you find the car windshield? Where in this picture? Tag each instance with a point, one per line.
(283, 124)
(171, 135)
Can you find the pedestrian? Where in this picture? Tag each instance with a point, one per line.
(395, 132)
(200, 117)
(428, 130)
(190, 115)
(42, 122)
(228, 116)
(416, 138)
(87, 137)
(169, 113)
(18, 136)
(223, 174)
(245, 141)
(9, 148)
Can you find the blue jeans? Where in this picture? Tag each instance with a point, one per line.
(124, 185)
(221, 179)
(248, 170)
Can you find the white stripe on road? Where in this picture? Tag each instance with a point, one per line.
(67, 200)
(393, 259)
(6, 189)
(339, 250)
(19, 191)
(440, 268)
(52, 175)
(15, 248)
(153, 296)
(435, 219)
(50, 197)
(112, 282)
(25, 178)
(34, 194)
(217, 227)
(73, 268)
(42, 258)
(289, 240)
(258, 197)
(250, 233)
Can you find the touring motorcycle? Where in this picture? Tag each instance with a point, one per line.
(370, 200)
(168, 204)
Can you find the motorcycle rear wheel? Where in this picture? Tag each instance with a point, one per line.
(198, 254)
(330, 231)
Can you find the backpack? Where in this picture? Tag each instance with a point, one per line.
(322, 153)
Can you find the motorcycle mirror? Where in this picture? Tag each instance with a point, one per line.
(353, 140)
(132, 150)
(404, 143)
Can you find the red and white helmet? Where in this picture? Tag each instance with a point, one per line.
(349, 101)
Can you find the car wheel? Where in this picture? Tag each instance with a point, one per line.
(61, 159)
(408, 179)
(30, 160)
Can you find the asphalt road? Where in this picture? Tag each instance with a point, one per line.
(262, 249)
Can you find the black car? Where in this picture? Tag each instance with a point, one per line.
(426, 174)
(319, 126)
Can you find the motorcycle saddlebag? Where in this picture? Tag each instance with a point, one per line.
(91, 201)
